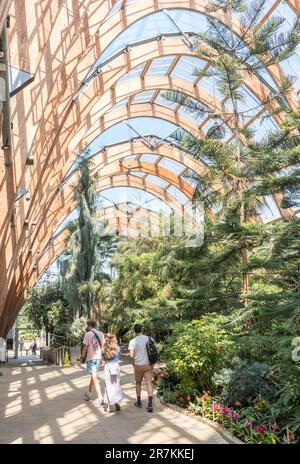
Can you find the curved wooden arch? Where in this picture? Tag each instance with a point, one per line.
(111, 118)
(88, 99)
(60, 48)
(113, 154)
(117, 180)
(115, 222)
(117, 152)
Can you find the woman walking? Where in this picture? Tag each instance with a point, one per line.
(111, 356)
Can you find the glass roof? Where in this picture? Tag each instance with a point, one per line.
(154, 25)
(117, 195)
(184, 23)
(127, 130)
(120, 195)
(291, 65)
(64, 224)
(175, 22)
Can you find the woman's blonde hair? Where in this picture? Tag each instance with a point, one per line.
(110, 346)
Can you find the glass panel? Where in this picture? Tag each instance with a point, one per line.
(153, 26)
(115, 9)
(132, 195)
(147, 158)
(191, 178)
(64, 224)
(161, 100)
(171, 165)
(133, 73)
(138, 174)
(263, 127)
(119, 104)
(144, 97)
(209, 84)
(186, 67)
(176, 193)
(17, 78)
(160, 66)
(269, 210)
(131, 157)
(158, 181)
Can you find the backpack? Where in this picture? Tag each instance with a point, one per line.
(152, 351)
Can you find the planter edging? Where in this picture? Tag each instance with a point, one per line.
(223, 432)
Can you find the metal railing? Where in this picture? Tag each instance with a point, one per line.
(58, 346)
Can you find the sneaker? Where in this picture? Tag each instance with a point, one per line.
(138, 404)
(99, 401)
(87, 396)
(118, 407)
(149, 409)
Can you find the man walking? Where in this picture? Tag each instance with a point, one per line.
(142, 367)
(93, 344)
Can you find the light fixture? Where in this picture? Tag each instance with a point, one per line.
(6, 146)
(30, 160)
(20, 193)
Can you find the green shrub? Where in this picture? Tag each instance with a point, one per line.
(243, 381)
(195, 351)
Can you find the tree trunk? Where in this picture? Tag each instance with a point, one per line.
(240, 189)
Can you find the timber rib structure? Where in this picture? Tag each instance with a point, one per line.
(84, 74)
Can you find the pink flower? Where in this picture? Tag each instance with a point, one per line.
(234, 416)
(291, 436)
(189, 398)
(274, 426)
(225, 411)
(260, 429)
(247, 424)
(217, 407)
(237, 404)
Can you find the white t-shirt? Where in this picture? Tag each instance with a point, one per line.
(140, 351)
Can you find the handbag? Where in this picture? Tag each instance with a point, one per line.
(113, 368)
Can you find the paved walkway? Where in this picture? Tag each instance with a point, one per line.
(42, 404)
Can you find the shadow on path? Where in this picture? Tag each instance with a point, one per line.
(44, 404)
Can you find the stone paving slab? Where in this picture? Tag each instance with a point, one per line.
(44, 404)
